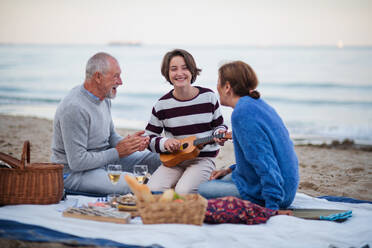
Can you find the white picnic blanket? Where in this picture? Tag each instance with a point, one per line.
(279, 231)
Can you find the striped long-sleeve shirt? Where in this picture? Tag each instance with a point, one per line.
(200, 117)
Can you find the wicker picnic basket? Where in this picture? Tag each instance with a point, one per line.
(190, 211)
(35, 183)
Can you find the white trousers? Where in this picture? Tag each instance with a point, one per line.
(185, 178)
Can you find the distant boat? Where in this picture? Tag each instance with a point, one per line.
(340, 44)
(125, 43)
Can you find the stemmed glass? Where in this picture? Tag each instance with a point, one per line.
(140, 172)
(113, 172)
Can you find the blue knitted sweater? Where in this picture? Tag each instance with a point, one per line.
(266, 170)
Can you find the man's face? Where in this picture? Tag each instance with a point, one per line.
(111, 79)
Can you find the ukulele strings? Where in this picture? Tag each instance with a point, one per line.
(208, 139)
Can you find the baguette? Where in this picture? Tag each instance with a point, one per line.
(146, 193)
(141, 191)
(133, 185)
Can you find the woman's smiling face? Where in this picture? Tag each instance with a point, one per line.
(179, 74)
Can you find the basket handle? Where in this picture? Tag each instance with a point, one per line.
(13, 162)
(25, 154)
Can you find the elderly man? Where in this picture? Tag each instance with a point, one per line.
(84, 138)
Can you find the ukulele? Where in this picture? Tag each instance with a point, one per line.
(189, 149)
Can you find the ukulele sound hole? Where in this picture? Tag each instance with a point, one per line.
(184, 146)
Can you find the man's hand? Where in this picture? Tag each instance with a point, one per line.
(146, 140)
(132, 143)
(217, 174)
(172, 145)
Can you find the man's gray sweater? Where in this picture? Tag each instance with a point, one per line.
(83, 137)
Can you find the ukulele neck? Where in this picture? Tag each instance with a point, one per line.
(208, 139)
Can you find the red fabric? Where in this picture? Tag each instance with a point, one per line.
(230, 209)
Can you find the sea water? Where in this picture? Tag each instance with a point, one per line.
(321, 93)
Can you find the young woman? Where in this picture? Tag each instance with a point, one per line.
(266, 169)
(184, 111)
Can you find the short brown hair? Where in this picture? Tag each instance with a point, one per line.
(242, 78)
(189, 60)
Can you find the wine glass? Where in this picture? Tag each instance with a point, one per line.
(113, 172)
(140, 172)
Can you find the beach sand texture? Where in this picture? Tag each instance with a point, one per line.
(323, 171)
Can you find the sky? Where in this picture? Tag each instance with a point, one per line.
(191, 22)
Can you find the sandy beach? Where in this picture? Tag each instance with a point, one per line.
(323, 170)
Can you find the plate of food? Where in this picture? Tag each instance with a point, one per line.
(127, 203)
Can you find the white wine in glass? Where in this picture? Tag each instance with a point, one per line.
(114, 178)
(114, 173)
(140, 172)
(140, 179)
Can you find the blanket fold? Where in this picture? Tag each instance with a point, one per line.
(14, 230)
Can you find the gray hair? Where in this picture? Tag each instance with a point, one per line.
(98, 63)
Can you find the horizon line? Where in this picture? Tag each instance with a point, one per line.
(129, 43)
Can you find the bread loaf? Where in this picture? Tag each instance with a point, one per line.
(141, 191)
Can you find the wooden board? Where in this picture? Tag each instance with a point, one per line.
(96, 214)
(314, 214)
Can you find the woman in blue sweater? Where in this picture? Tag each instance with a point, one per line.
(266, 169)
